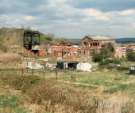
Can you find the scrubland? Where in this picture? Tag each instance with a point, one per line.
(102, 91)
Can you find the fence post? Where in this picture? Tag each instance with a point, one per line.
(22, 71)
(56, 73)
(32, 70)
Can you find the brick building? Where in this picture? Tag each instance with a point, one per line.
(120, 51)
(130, 47)
(90, 44)
(61, 52)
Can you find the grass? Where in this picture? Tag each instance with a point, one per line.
(72, 92)
(10, 104)
(110, 81)
(40, 92)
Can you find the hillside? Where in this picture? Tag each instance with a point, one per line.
(119, 40)
(125, 40)
(13, 37)
(10, 37)
(75, 41)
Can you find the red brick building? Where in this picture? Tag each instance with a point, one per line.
(90, 44)
(120, 51)
(60, 51)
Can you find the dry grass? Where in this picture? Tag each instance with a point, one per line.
(54, 96)
(10, 61)
(9, 57)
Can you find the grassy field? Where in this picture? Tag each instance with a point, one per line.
(102, 91)
(109, 81)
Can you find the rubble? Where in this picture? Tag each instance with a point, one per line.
(34, 65)
(84, 67)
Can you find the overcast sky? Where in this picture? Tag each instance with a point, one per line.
(71, 18)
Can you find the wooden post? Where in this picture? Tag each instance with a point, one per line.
(56, 73)
(22, 71)
(32, 70)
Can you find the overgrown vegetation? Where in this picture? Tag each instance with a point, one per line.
(57, 96)
(2, 46)
(103, 57)
(52, 93)
(10, 104)
(110, 81)
(131, 56)
(47, 38)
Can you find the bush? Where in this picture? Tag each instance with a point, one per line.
(131, 56)
(97, 58)
(58, 95)
(24, 83)
(106, 52)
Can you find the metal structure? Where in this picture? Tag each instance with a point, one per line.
(132, 70)
(31, 40)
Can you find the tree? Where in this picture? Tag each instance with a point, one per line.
(131, 56)
(46, 38)
(106, 52)
(97, 57)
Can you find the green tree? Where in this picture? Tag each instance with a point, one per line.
(131, 56)
(106, 52)
(46, 38)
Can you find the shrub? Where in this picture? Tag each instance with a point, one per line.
(106, 52)
(131, 56)
(22, 83)
(25, 82)
(77, 100)
(10, 103)
(97, 58)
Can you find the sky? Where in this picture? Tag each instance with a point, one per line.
(71, 18)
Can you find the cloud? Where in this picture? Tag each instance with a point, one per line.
(29, 18)
(66, 18)
(99, 15)
(128, 12)
(133, 25)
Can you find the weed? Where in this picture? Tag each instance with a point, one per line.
(11, 103)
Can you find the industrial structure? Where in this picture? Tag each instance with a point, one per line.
(31, 41)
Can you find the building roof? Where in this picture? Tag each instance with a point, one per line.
(96, 37)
